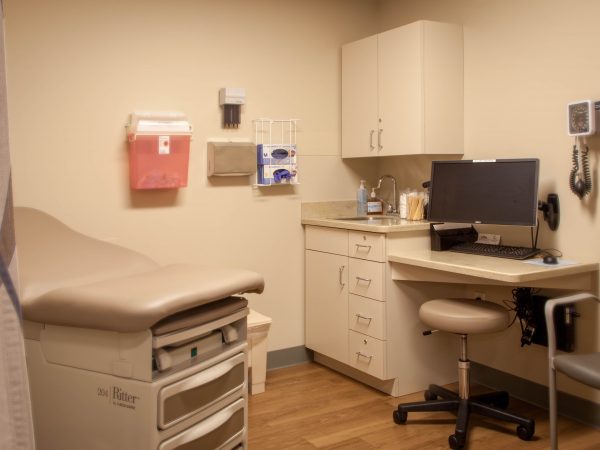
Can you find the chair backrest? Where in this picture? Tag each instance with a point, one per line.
(549, 314)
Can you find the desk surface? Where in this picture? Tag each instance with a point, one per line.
(490, 268)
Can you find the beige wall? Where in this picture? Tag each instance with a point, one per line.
(77, 69)
(524, 61)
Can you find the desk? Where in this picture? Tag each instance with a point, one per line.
(461, 268)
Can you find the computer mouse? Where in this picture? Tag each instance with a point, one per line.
(550, 259)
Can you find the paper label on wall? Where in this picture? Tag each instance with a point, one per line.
(163, 145)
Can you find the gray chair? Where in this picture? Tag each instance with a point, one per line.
(584, 368)
(464, 317)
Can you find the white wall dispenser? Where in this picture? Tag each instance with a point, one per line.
(232, 99)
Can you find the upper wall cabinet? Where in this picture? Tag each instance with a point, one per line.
(402, 92)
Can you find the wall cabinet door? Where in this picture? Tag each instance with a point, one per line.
(359, 98)
(327, 304)
(400, 90)
(418, 91)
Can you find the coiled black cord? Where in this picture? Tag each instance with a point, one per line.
(587, 177)
(574, 171)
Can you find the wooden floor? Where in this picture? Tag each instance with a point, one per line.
(311, 407)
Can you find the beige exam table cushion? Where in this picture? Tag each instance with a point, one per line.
(70, 279)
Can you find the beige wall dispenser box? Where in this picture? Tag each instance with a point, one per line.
(227, 159)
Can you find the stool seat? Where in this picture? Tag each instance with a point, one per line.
(464, 316)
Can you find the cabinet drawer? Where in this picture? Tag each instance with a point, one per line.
(328, 240)
(191, 395)
(369, 246)
(366, 278)
(223, 430)
(367, 354)
(366, 316)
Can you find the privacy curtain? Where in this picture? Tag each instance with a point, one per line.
(16, 430)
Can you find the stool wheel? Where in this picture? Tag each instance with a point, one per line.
(526, 433)
(454, 442)
(430, 395)
(400, 417)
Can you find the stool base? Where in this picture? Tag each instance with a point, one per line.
(490, 405)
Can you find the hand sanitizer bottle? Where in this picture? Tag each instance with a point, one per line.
(361, 199)
(374, 205)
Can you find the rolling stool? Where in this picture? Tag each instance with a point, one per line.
(463, 317)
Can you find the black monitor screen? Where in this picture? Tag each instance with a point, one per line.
(501, 191)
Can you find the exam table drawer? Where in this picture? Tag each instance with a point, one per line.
(366, 354)
(366, 316)
(191, 395)
(369, 246)
(223, 430)
(366, 278)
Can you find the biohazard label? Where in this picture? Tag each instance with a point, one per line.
(163, 145)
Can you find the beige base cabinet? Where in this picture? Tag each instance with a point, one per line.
(363, 324)
(402, 92)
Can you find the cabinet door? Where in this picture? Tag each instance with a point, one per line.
(443, 88)
(400, 89)
(359, 98)
(327, 304)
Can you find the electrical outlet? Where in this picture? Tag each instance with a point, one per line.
(479, 295)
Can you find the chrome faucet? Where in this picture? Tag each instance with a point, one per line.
(393, 207)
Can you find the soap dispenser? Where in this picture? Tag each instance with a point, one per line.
(374, 205)
(361, 199)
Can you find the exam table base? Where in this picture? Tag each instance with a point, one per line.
(80, 402)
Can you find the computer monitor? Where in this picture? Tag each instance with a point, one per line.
(501, 191)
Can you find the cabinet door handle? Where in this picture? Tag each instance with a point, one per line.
(362, 355)
(372, 147)
(360, 316)
(379, 144)
(366, 280)
(340, 275)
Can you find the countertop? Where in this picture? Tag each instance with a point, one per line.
(333, 214)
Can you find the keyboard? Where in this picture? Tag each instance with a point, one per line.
(499, 251)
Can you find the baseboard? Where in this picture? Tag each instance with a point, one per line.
(570, 406)
(286, 357)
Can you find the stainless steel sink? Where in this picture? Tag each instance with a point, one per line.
(372, 220)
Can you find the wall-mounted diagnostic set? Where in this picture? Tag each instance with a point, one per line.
(581, 122)
(232, 99)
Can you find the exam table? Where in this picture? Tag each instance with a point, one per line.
(125, 354)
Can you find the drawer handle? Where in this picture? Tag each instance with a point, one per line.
(360, 316)
(340, 275)
(362, 355)
(359, 246)
(364, 280)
